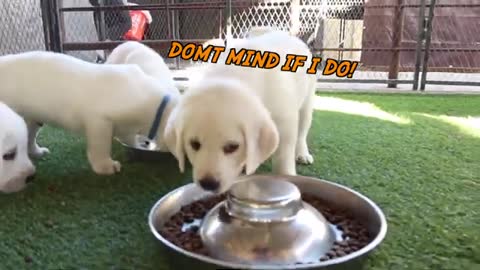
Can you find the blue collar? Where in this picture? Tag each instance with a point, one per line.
(158, 117)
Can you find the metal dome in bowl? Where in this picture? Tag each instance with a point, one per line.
(265, 221)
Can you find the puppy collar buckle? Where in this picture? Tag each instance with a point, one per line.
(148, 142)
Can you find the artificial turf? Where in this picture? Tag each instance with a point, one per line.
(422, 170)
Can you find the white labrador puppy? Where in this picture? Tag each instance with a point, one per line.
(149, 61)
(16, 168)
(97, 101)
(236, 117)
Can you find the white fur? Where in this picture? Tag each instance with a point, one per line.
(264, 111)
(259, 30)
(15, 164)
(97, 101)
(149, 61)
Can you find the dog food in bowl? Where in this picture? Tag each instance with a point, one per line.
(182, 228)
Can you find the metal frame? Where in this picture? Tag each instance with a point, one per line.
(51, 25)
(428, 50)
(420, 39)
(52, 16)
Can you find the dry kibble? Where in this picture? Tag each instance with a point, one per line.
(324, 258)
(28, 259)
(355, 235)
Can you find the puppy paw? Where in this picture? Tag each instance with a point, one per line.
(305, 158)
(39, 152)
(108, 167)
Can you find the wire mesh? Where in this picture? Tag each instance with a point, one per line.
(20, 26)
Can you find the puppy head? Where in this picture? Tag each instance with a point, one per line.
(16, 168)
(221, 129)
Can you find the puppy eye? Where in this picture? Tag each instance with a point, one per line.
(195, 144)
(230, 148)
(10, 155)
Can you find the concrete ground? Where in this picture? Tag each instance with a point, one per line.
(192, 73)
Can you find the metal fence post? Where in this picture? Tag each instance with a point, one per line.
(55, 26)
(46, 21)
(228, 19)
(101, 21)
(396, 42)
(420, 39)
(428, 38)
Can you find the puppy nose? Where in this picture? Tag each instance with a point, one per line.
(30, 178)
(209, 183)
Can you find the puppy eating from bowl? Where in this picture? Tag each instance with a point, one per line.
(16, 167)
(97, 101)
(236, 117)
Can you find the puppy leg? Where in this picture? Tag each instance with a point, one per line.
(302, 154)
(34, 149)
(99, 145)
(283, 160)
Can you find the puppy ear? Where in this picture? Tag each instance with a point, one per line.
(173, 138)
(262, 140)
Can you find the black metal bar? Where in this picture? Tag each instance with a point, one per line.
(55, 26)
(101, 22)
(221, 5)
(459, 83)
(108, 45)
(47, 29)
(365, 81)
(396, 42)
(202, 5)
(61, 22)
(420, 38)
(399, 49)
(428, 39)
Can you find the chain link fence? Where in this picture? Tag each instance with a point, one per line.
(20, 26)
(391, 39)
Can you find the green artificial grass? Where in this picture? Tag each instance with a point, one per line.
(423, 172)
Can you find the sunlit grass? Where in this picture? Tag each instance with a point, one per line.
(366, 109)
(468, 125)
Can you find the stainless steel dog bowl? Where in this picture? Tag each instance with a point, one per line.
(363, 209)
(265, 221)
(144, 154)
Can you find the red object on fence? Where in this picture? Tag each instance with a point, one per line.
(140, 19)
